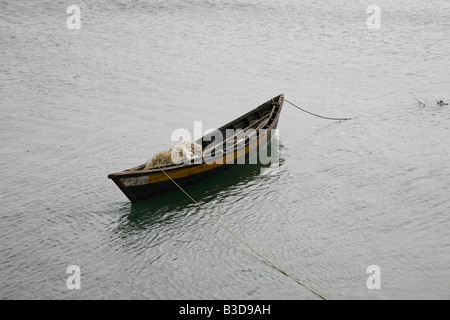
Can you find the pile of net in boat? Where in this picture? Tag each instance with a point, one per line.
(181, 152)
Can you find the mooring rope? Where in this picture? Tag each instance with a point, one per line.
(317, 115)
(237, 237)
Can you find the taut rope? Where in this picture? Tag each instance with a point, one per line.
(317, 115)
(245, 243)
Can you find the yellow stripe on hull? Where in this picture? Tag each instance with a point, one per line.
(191, 170)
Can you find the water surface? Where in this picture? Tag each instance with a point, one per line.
(77, 105)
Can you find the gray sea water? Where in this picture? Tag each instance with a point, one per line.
(76, 105)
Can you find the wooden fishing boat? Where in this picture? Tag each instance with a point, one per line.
(140, 184)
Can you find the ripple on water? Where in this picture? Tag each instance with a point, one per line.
(78, 105)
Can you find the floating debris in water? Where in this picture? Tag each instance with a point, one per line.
(428, 103)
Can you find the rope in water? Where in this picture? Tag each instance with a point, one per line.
(237, 237)
(317, 115)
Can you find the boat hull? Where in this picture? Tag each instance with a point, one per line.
(139, 185)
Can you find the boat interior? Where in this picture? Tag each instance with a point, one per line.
(259, 118)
